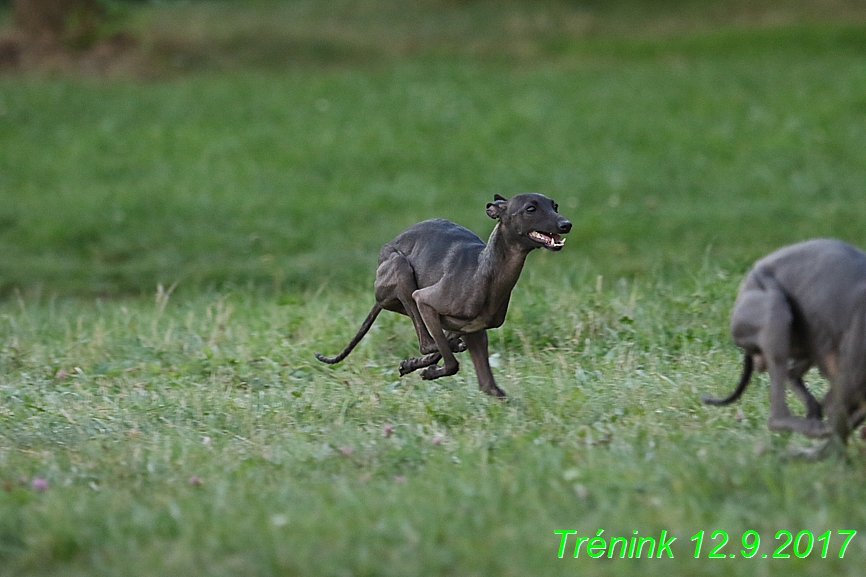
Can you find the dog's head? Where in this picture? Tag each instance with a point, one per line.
(533, 218)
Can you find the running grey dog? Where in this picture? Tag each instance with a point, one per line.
(454, 286)
(802, 306)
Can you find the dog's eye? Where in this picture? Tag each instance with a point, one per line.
(555, 207)
(530, 208)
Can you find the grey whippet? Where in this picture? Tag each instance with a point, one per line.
(454, 286)
(801, 306)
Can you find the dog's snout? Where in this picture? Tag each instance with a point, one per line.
(564, 226)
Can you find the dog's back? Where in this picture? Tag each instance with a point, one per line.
(435, 246)
(823, 279)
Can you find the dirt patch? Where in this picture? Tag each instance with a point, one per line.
(64, 35)
(175, 38)
(118, 54)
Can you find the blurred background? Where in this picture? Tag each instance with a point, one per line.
(276, 145)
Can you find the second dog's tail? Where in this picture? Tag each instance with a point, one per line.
(748, 365)
(365, 326)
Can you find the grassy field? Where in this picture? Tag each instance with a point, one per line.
(174, 246)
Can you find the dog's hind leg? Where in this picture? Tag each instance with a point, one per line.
(814, 410)
(415, 363)
(395, 283)
(774, 340)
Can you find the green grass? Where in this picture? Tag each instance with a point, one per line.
(260, 176)
(604, 430)
(273, 152)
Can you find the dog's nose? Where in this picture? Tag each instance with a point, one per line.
(564, 226)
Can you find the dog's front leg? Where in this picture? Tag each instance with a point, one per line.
(478, 350)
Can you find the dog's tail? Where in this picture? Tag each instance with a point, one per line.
(748, 365)
(365, 326)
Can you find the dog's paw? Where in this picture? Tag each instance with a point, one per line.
(830, 449)
(457, 345)
(817, 429)
(435, 371)
(431, 373)
(811, 428)
(495, 392)
(407, 367)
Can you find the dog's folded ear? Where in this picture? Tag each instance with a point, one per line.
(497, 207)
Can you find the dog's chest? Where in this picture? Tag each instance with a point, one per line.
(472, 326)
(489, 319)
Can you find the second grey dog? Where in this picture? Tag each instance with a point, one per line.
(801, 306)
(454, 286)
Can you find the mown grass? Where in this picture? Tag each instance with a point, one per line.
(195, 434)
(203, 438)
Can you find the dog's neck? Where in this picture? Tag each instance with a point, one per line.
(501, 263)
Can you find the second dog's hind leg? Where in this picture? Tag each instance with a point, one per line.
(774, 341)
(814, 410)
(813, 407)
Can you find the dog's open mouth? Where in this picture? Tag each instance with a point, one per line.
(549, 241)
